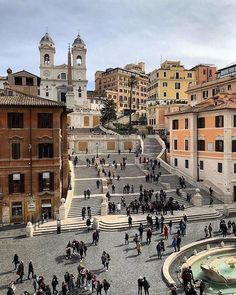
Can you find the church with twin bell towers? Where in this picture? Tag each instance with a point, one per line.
(66, 82)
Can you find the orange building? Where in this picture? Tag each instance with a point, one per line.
(115, 84)
(223, 81)
(33, 157)
(203, 143)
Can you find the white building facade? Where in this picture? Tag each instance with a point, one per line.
(54, 78)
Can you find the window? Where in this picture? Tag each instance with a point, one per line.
(177, 95)
(165, 84)
(47, 94)
(46, 59)
(186, 123)
(175, 124)
(193, 97)
(62, 76)
(164, 74)
(220, 167)
(46, 181)
(164, 94)
(16, 183)
(175, 144)
(15, 151)
(177, 75)
(79, 92)
(234, 168)
(201, 145)
(29, 81)
(16, 209)
(177, 85)
(186, 144)
(45, 150)
(79, 60)
(45, 120)
(15, 120)
(201, 122)
(205, 94)
(18, 80)
(63, 97)
(157, 75)
(219, 121)
(175, 162)
(189, 75)
(186, 164)
(233, 146)
(219, 145)
(201, 165)
(229, 87)
(234, 120)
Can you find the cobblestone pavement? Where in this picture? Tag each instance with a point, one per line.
(48, 256)
(48, 252)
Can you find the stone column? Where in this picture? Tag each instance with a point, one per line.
(62, 210)
(95, 223)
(197, 198)
(29, 230)
(104, 206)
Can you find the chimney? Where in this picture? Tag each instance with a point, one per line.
(142, 66)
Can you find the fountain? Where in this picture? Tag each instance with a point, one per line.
(216, 266)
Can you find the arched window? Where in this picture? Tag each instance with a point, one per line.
(62, 76)
(79, 60)
(79, 92)
(46, 59)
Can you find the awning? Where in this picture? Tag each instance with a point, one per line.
(46, 205)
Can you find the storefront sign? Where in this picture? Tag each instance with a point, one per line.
(31, 205)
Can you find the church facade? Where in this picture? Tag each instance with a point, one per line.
(66, 82)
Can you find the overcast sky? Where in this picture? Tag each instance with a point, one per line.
(118, 32)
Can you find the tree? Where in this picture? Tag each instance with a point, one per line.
(108, 111)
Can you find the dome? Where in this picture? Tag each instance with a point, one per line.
(78, 41)
(46, 38)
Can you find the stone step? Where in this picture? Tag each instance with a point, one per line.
(80, 225)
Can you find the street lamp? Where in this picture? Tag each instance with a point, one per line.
(97, 149)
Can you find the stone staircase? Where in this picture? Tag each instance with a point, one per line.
(78, 203)
(151, 147)
(112, 223)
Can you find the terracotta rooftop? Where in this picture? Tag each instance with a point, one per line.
(221, 101)
(9, 97)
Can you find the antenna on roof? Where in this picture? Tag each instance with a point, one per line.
(161, 59)
(46, 29)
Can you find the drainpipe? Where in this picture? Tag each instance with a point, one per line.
(198, 179)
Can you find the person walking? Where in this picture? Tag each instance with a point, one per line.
(108, 259)
(30, 269)
(159, 250)
(166, 232)
(206, 231)
(103, 258)
(174, 243)
(20, 271)
(140, 286)
(130, 220)
(210, 230)
(149, 236)
(15, 261)
(99, 287)
(106, 286)
(138, 247)
(54, 284)
(126, 239)
(178, 242)
(146, 286)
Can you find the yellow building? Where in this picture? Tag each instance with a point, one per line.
(167, 92)
(170, 81)
(203, 143)
(115, 84)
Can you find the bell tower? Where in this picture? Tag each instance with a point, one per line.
(47, 52)
(79, 69)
